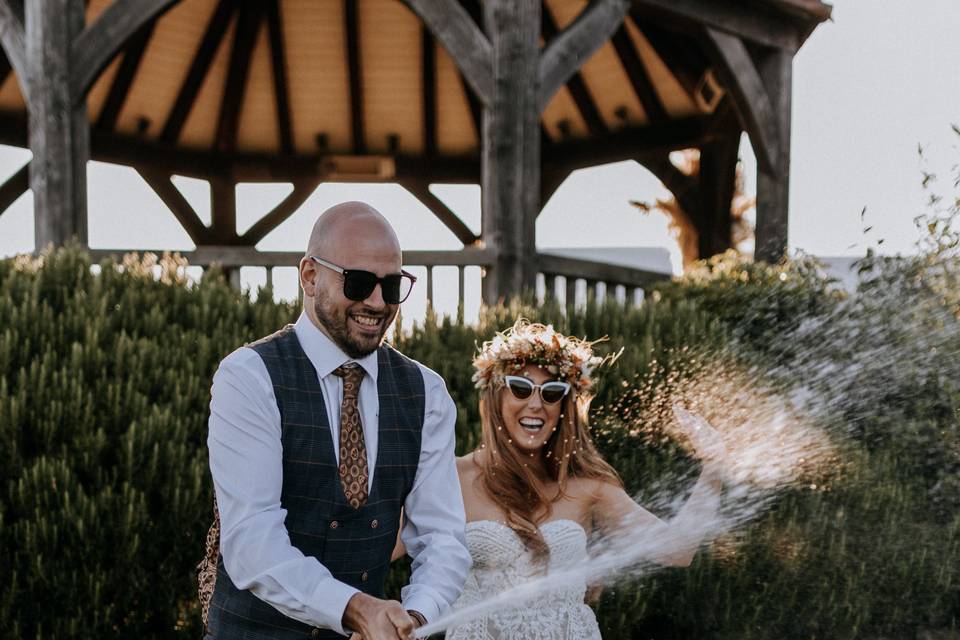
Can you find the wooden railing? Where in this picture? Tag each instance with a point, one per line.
(602, 279)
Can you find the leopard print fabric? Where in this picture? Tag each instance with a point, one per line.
(207, 569)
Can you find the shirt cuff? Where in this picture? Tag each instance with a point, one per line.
(424, 605)
(336, 596)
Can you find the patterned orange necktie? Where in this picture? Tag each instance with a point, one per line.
(353, 451)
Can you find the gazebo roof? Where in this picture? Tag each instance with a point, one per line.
(350, 90)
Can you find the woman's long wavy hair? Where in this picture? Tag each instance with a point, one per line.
(519, 492)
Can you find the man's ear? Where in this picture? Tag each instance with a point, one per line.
(308, 277)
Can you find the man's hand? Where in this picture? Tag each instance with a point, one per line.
(376, 619)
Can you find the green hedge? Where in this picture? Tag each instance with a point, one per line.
(105, 493)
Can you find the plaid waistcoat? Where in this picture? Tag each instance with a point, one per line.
(354, 544)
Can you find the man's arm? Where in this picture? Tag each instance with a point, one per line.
(246, 461)
(433, 531)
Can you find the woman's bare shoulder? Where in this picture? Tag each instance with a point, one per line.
(468, 465)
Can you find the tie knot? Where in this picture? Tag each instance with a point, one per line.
(352, 375)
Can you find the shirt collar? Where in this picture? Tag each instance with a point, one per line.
(324, 354)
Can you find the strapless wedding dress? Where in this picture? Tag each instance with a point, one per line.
(500, 561)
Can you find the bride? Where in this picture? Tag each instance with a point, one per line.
(537, 489)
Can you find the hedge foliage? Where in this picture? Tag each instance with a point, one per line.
(105, 495)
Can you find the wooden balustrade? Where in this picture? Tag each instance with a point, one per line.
(602, 280)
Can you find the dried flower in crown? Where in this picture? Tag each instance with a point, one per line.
(569, 358)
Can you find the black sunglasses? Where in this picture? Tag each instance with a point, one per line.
(550, 392)
(358, 285)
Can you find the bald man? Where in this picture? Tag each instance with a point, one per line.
(319, 435)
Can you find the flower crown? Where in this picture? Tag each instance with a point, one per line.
(567, 357)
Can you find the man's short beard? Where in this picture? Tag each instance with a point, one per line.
(336, 328)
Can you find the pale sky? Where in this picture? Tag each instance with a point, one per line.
(869, 88)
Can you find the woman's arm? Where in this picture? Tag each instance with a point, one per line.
(676, 541)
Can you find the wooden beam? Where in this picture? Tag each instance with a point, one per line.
(428, 91)
(420, 189)
(205, 164)
(184, 213)
(223, 212)
(123, 80)
(576, 85)
(453, 28)
(249, 21)
(5, 68)
(628, 144)
(555, 264)
(639, 77)
(511, 149)
(96, 45)
(685, 189)
(678, 50)
(566, 53)
(773, 188)
(13, 41)
(354, 75)
(740, 77)
(240, 256)
(14, 187)
(718, 172)
(302, 189)
(199, 67)
(58, 129)
(281, 90)
(752, 22)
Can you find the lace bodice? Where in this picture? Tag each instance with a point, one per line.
(500, 561)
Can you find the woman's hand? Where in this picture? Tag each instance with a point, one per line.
(708, 445)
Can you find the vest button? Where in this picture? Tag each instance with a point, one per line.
(334, 524)
(374, 524)
(315, 633)
(364, 576)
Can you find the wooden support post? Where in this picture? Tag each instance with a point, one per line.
(571, 292)
(460, 293)
(773, 188)
(549, 287)
(718, 171)
(223, 212)
(59, 134)
(511, 148)
(430, 285)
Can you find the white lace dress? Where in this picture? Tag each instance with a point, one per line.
(500, 561)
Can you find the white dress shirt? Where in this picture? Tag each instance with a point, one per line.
(246, 461)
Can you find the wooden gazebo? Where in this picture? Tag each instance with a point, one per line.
(509, 94)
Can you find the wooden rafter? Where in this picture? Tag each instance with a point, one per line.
(287, 207)
(420, 189)
(199, 67)
(123, 80)
(5, 68)
(576, 85)
(428, 83)
(760, 26)
(679, 52)
(461, 36)
(13, 40)
(281, 89)
(740, 76)
(355, 75)
(639, 78)
(161, 185)
(565, 54)
(96, 45)
(249, 21)
(14, 187)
